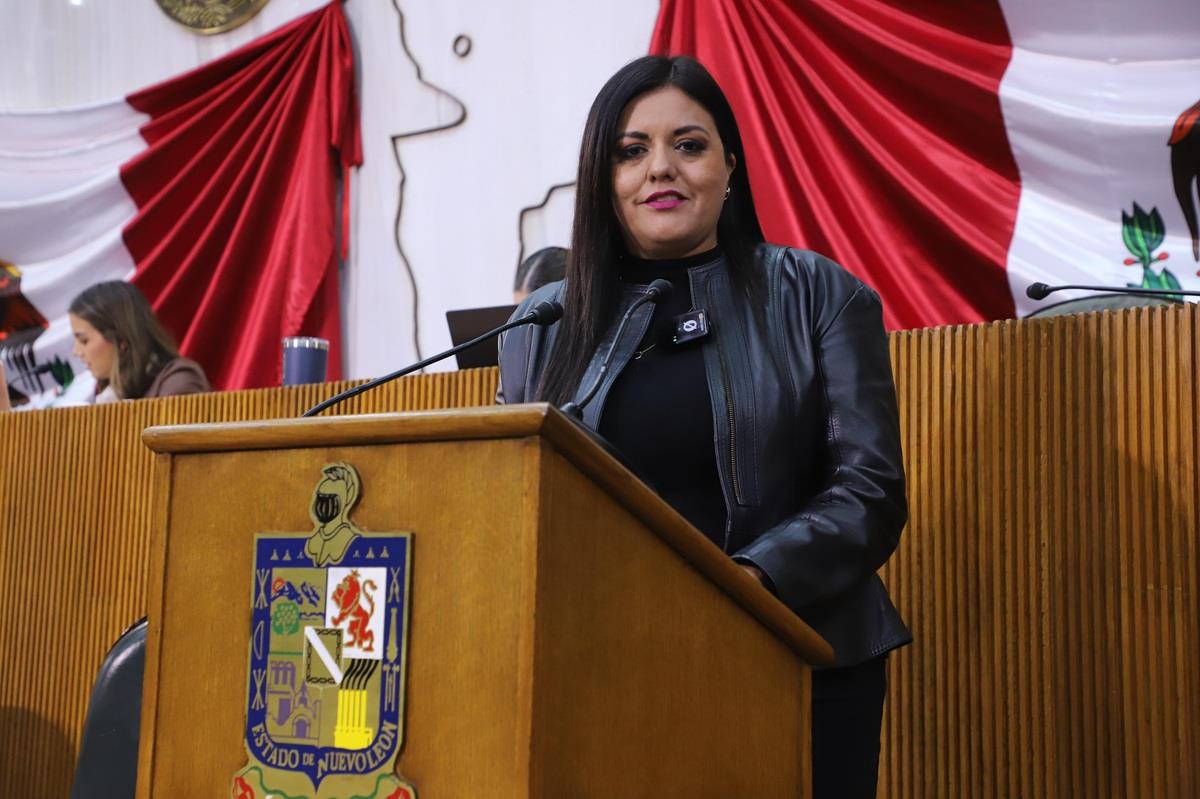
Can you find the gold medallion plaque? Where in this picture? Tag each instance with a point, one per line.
(210, 16)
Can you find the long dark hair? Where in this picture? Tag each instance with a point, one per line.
(120, 313)
(591, 290)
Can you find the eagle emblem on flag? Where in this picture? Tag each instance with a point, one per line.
(328, 645)
(1185, 169)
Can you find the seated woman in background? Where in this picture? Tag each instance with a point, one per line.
(122, 343)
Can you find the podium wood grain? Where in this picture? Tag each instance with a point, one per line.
(559, 645)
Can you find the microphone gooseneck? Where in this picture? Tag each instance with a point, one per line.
(658, 290)
(1039, 291)
(544, 313)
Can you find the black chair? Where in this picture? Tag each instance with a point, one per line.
(107, 765)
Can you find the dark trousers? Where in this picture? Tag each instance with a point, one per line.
(847, 711)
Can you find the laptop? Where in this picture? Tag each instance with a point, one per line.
(469, 323)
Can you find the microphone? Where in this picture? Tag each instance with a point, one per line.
(1039, 291)
(544, 313)
(659, 289)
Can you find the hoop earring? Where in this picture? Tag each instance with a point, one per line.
(727, 192)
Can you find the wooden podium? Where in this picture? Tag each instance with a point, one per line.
(570, 635)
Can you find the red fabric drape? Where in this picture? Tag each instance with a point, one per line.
(874, 135)
(235, 235)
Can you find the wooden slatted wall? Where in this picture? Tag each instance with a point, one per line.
(74, 540)
(1049, 571)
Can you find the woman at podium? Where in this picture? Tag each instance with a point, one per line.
(749, 383)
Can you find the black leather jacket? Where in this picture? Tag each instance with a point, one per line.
(806, 428)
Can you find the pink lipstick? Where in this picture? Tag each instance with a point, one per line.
(665, 200)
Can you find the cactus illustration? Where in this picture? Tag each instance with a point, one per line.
(1143, 234)
(61, 371)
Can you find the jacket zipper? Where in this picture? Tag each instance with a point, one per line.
(733, 467)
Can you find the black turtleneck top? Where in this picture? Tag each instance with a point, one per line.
(658, 414)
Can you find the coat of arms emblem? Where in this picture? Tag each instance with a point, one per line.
(328, 634)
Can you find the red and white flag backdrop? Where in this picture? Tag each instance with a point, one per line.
(214, 192)
(952, 153)
(948, 153)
